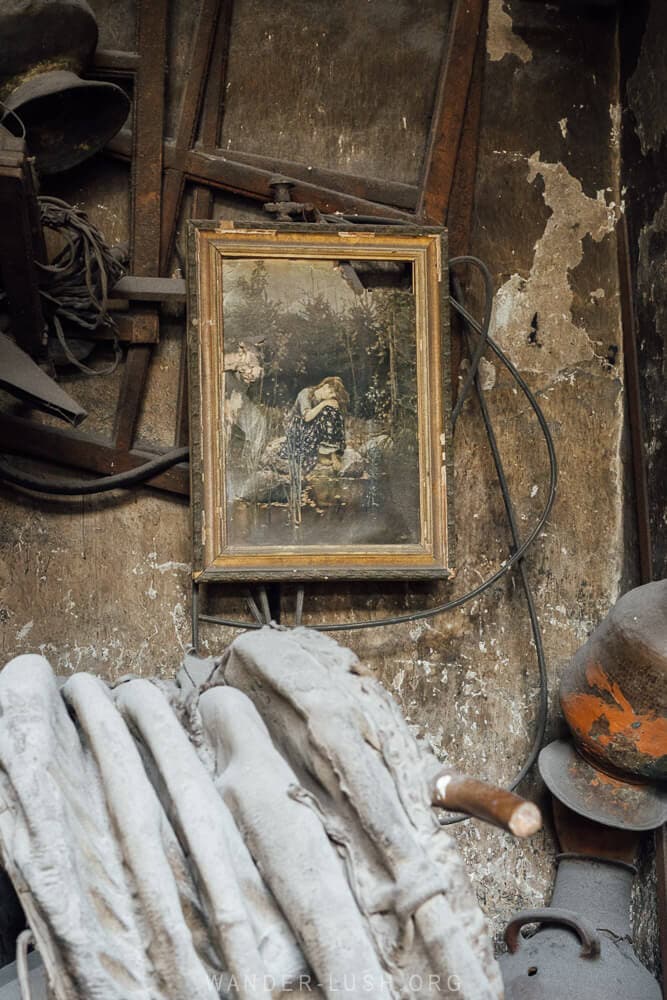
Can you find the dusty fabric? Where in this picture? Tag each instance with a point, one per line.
(264, 834)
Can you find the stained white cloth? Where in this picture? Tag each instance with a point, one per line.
(266, 834)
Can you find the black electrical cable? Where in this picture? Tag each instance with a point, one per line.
(74, 286)
(518, 548)
(84, 487)
(542, 712)
(515, 556)
(482, 345)
(541, 723)
(364, 220)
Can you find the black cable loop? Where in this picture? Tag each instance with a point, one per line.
(507, 564)
(542, 712)
(78, 279)
(85, 487)
(517, 549)
(486, 324)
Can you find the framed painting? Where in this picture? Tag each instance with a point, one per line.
(318, 401)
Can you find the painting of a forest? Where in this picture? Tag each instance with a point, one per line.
(320, 404)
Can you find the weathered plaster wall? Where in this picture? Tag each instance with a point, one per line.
(103, 584)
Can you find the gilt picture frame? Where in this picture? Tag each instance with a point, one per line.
(319, 401)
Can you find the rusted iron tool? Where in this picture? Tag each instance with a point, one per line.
(487, 802)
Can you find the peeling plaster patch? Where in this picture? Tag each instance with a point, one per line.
(562, 124)
(597, 294)
(546, 292)
(487, 373)
(501, 40)
(181, 625)
(418, 630)
(172, 567)
(24, 632)
(615, 132)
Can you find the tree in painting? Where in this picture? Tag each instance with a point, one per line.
(322, 439)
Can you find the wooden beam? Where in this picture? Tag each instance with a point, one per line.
(134, 289)
(197, 72)
(447, 124)
(148, 134)
(220, 170)
(131, 394)
(114, 62)
(79, 450)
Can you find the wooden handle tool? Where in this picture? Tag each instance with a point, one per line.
(494, 805)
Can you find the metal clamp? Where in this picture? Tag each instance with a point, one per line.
(587, 934)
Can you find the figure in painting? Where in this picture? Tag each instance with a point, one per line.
(315, 434)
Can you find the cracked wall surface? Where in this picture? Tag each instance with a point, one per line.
(103, 584)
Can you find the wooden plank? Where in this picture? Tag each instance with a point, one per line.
(131, 393)
(131, 328)
(147, 136)
(462, 203)
(328, 190)
(135, 289)
(146, 199)
(448, 117)
(174, 177)
(635, 408)
(461, 207)
(202, 198)
(79, 450)
(369, 188)
(253, 182)
(114, 62)
(214, 97)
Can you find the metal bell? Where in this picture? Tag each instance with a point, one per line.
(67, 119)
(44, 45)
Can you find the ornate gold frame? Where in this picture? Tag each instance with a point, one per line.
(214, 558)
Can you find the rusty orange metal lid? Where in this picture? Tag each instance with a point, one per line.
(613, 691)
(598, 795)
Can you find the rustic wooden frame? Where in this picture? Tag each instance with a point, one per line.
(248, 174)
(214, 557)
(444, 196)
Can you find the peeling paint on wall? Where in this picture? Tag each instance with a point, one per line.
(533, 314)
(501, 39)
